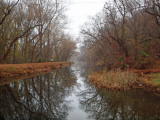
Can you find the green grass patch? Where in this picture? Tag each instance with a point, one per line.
(11, 68)
(156, 79)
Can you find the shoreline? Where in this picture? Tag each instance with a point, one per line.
(124, 80)
(8, 71)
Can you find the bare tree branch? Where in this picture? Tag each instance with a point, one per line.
(7, 13)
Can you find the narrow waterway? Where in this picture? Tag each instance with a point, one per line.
(66, 94)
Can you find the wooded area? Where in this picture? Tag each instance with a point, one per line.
(125, 34)
(110, 71)
(33, 31)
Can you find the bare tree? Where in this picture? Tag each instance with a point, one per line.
(6, 9)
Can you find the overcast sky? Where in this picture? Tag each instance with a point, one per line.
(79, 11)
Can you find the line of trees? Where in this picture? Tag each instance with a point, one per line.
(125, 34)
(33, 31)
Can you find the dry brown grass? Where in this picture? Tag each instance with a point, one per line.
(151, 82)
(14, 70)
(113, 80)
(150, 78)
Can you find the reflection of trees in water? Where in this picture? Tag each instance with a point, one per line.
(85, 68)
(41, 97)
(134, 104)
(104, 105)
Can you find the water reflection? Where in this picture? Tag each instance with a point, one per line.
(134, 104)
(129, 105)
(41, 97)
(66, 94)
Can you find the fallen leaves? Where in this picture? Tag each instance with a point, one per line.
(14, 70)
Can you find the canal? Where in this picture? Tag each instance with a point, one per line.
(65, 94)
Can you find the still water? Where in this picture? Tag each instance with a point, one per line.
(65, 94)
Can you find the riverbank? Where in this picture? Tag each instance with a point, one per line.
(123, 80)
(17, 70)
(149, 79)
(113, 80)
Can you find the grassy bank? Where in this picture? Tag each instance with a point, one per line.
(123, 80)
(151, 82)
(113, 80)
(16, 70)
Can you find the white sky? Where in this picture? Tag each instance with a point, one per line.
(79, 11)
